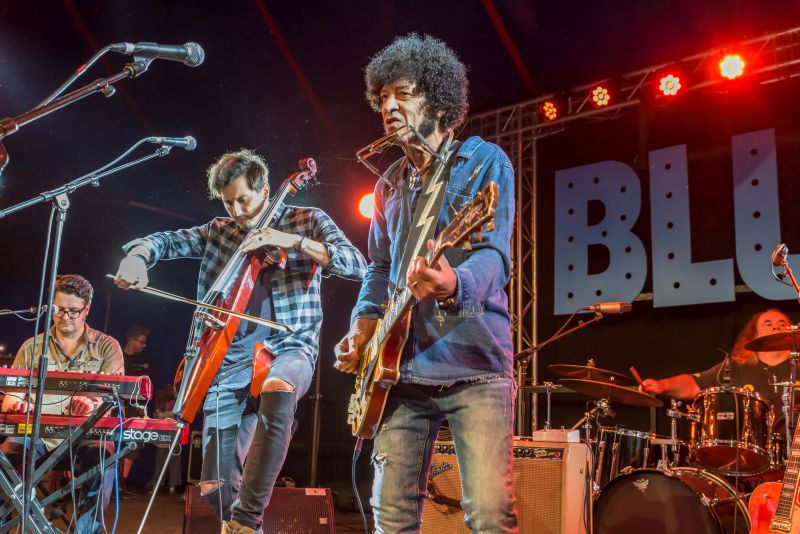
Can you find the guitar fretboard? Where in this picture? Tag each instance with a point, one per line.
(781, 521)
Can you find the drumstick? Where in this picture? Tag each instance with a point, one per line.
(636, 375)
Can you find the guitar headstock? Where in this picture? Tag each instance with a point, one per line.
(305, 177)
(469, 223)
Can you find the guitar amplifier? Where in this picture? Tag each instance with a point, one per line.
(551, 483)
(291, 510)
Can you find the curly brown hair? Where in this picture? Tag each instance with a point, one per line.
(231, 165)
(75, 284)
(433, 66)
(739, 353)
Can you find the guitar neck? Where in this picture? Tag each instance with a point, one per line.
(781, 521)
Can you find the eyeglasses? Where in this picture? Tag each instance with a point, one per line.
(72, 314)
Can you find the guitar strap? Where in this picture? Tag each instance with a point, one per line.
(428, 207)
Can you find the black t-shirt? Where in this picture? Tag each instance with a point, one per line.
(137, 364)
(755, 377)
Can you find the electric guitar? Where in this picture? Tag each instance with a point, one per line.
(379, 366)
(774, 506)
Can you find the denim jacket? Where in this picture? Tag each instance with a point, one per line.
(471, 339)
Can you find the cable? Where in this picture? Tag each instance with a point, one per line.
(116, 467)
(356, 454)
(19, 316)
(83, 68)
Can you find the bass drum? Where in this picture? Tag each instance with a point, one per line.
(687, 501)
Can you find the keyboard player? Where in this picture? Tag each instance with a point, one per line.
(74, 347)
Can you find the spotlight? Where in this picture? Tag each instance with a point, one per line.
(731, 66)
(549, 110)
(366, 205)
(670, 85)
(600, 96)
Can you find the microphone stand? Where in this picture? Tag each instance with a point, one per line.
(524, 357)
(59, 198)
(104, 86)
(794, 353)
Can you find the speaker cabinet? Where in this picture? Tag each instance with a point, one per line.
(291, 510)
(551, 483)
(193, 474)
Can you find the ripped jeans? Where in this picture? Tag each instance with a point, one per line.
(233, 423)
(480, 415)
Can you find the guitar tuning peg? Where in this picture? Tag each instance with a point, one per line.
(466, 245)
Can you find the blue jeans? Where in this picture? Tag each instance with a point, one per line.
(480, 415)
(236, 423)
(91, 506)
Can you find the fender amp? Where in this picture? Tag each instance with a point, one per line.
(551, 483)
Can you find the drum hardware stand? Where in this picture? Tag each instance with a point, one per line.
(674, 414)
(549, 386)
(600, 409)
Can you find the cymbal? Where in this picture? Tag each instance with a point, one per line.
(612, 392)
(587, 372)
(787, 340)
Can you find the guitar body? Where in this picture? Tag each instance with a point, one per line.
(379, 365)
(378, 371)
(762, 506)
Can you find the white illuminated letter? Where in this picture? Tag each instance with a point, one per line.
(617, 187)
(676, 280)
(755, 199)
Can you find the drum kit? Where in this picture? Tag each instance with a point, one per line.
(679, 483)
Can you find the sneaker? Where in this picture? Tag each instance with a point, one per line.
(233, 527)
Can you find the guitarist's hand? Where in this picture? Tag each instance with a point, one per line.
(438, 281)
(348, 350)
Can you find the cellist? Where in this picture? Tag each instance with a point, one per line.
(238, 425)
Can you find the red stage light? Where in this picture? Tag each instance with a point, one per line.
(366, 205)
(550, 110)
(731, 66)
(600, 96)
(670, 85)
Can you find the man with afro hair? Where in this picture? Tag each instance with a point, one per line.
(457, 361)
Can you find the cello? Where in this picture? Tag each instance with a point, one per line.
(218, 315)
(213, 330)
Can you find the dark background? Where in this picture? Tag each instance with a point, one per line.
(285, 79)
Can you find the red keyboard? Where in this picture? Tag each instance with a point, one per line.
(138, 429)
(128, 387)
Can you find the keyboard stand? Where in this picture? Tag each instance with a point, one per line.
(11, 483)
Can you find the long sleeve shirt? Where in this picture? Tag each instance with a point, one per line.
(294, 291)
(471, 339)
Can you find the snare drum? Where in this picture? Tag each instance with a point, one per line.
(734, 431)
(619, 451)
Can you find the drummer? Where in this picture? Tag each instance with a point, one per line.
(750, 370)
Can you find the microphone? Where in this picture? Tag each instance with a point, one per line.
(726, 371)
(610, 307)
(191, 54)
(779, 254)
(187, 143)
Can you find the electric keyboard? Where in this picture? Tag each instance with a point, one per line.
(138, 429)
(137, 388)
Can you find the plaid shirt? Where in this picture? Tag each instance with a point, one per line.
(295, 290)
